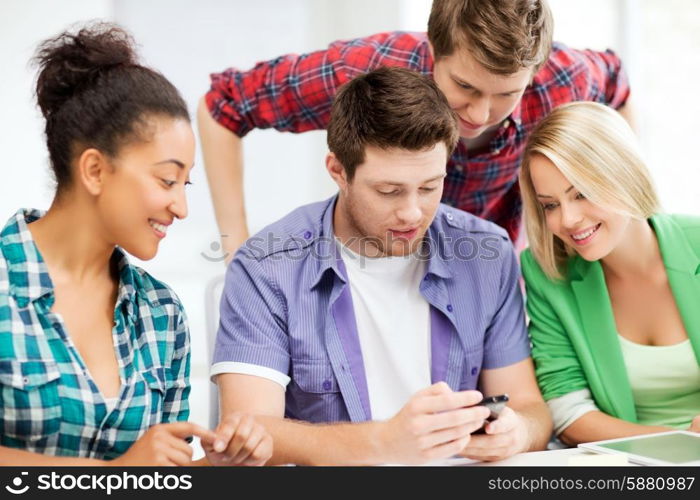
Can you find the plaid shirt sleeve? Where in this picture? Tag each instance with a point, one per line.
(607, 82)
(575, 75)
(176, 406)
(294, 93)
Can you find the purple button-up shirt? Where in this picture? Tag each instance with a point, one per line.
(287, 306)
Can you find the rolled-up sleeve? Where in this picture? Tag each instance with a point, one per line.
(294, 92)
(607, 81)
(291, 93)
(569, 408)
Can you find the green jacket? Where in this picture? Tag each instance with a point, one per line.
(572, 327)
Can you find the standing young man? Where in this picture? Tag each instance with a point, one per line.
(494, 61)
(380, 311)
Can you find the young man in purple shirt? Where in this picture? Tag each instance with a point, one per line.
(358, 329)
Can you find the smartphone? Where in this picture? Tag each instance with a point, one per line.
(495, 404)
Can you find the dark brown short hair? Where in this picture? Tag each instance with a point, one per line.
(504, 36)
(389, 108)
(93, 92)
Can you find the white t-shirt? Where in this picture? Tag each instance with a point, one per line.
(393, 325)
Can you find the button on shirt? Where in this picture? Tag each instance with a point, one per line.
(49, 403)
(287, 311)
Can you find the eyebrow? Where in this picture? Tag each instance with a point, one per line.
(465, 83)
(437, 177)
(171, 160)
(547, 196)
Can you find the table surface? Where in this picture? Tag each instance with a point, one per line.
(535, 458)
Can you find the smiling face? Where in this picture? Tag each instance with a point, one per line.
(481, 99)
(145, 190)
(592, 231)
(391, 201)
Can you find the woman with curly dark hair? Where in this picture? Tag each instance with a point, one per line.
(94, 352)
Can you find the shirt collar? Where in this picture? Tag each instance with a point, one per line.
(130, 283)
(517, 113)
(676, 250)
(435, 242)
(28, 275)
(27, 272)
(515, 118)
(329, 256)
(326, 250)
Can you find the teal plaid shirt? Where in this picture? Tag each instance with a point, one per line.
(49, 402)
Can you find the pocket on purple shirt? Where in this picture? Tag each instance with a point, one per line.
(313, 395)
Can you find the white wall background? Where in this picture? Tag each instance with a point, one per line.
(186, 40)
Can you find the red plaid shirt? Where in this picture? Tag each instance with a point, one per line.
(294, 93)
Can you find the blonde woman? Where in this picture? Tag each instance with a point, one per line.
(613, 285)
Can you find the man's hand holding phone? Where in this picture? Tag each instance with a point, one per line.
(502, 437)
(434, 424)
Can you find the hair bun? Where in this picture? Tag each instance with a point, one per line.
(71, 62)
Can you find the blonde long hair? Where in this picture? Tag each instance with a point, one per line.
(597, 151)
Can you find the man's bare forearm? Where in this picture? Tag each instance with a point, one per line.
(539, 424)
(223, 163)
(303, 443)
(435, 423)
